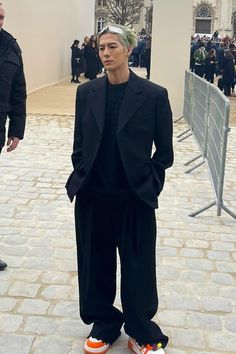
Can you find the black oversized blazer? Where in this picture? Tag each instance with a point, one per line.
(145, 118)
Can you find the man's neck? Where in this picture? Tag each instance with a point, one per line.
(118, 77)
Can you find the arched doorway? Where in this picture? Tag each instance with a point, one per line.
(203, 19)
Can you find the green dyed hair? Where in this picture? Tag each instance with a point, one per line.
(127, 36)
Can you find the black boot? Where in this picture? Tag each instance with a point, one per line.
(3, 265)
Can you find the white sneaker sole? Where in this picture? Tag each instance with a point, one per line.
(134, 348)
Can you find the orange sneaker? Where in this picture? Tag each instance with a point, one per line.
(93, 345)
(145, 349)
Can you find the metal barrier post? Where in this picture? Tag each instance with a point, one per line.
(188, 103)
(178, 119)
(200, 120)
(192, 160)
(222, 172)
(195, 213)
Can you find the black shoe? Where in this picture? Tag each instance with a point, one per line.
(77, 81)
(3, 265)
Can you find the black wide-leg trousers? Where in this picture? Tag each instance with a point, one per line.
(101, 228)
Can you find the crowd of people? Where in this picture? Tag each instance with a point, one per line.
(210, 58)
(213, 57)
(141, 55)
(85, 58)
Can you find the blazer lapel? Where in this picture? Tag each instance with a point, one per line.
(132, 100)
(97, 102)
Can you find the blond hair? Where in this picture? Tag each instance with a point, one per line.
(127, 36)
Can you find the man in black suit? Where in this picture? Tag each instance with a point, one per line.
(12, 92)
(116, 181)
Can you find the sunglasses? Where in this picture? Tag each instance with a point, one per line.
(111, 29)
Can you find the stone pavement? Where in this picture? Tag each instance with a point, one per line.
(196, 257)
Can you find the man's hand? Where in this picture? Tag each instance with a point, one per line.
(12, 143)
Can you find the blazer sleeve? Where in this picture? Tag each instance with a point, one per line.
(163, 156)
(74, 180)
(76, 157)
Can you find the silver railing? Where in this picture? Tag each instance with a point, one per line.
(206, 111)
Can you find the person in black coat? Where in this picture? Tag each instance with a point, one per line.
(228, 72)
(116, 180)
(147, 56)
(83, 47)
(91, 55)
(77, 62)
(12, 92)
(219, 57)
(210, 65)
(232, 49)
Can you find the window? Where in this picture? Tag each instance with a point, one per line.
(203, 11)
(203, 26)
(100, 23)
(203, 19)
(102, 2)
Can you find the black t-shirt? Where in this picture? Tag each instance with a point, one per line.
(108, 179)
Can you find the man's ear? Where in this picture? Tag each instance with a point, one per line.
(129, 51)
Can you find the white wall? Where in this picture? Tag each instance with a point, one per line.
(226, 14)
(171, 39)
(45, 31)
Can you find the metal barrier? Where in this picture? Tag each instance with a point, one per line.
(208, 119)
(188, 98)
(199, 121)
(188, 104)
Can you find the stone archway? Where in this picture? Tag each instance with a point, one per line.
(203, 19)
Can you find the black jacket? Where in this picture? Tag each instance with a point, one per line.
(77, 61)
(145, 117)
(92, 61)
(12, 88)
(228, 71)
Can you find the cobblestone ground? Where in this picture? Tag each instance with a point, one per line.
(196, 257)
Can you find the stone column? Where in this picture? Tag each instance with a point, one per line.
(171, 36)
(225, 16)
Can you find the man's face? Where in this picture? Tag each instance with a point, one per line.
(2, 15)
(113, 54)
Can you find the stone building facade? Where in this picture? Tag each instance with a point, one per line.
(214, 15)
(208, 16)
(101, 16)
